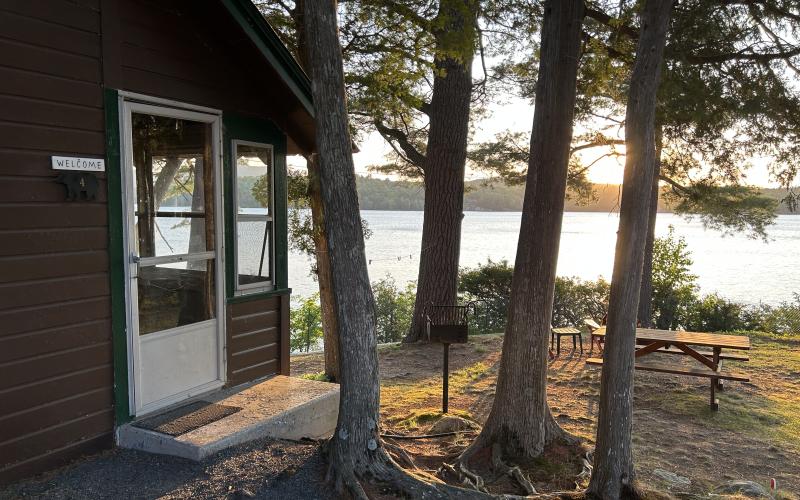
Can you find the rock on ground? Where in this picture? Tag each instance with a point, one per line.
(749, 489)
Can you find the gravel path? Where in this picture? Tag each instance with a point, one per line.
(261, 469)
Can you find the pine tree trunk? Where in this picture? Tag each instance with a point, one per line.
(356, 452)
(520, 421)
(326, 300)
(330, 331)
(446, 156)
(613, 475)
(646, 292)
(355, 446)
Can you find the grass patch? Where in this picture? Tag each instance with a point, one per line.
(319, 376)
(426, 416)
(424, 396)
(773, 418)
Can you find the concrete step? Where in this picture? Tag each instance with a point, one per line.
(280, 407)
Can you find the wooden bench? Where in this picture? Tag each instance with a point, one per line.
(692, 372)
(710, 355)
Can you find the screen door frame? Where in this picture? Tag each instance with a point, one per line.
(136, 103)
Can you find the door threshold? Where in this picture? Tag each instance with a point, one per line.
(179, 400)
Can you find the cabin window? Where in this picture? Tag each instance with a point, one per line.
(254, 200)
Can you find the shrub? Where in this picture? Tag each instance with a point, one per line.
(783, 319)
(393, 309)
(712, 313)
(674, 286)
(306, 324)
(576, 299)
(490, 285)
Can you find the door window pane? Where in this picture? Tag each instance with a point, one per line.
(254, 215)
(172, 186)
(177, 294)
(173, 198)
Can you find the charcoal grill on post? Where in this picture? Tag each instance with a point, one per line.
(447, 325)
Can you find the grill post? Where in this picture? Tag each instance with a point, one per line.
(445, 377)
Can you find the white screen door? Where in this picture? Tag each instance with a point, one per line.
(174, 272)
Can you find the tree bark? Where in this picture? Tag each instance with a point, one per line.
(446, 155)
(330, 331)
(329, 327)
(646, 292)
(355, 445)
(520, 421)
(613, 475)
(356, 452)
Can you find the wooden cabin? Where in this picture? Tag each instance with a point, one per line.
(143, 217)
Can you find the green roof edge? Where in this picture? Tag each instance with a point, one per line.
(264, 37)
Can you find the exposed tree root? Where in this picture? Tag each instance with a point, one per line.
(515, 472)
(400, 455)
(379, 470)
(491, 454)
(586, 473)
(384, 476)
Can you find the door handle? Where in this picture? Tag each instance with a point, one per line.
(135, 259)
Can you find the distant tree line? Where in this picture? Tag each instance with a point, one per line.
(387, 194)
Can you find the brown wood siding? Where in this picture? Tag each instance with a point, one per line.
(256, 333)
(56, 366)
(55, 335)
(201, 56)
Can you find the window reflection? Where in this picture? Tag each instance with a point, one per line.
(254, 217)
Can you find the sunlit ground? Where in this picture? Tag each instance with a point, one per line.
(755, 436)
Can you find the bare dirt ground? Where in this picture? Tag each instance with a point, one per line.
(268, 469)
(755, 436)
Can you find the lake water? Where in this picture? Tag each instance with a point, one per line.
(736, 267)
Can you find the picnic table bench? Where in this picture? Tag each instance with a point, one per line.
(684, 343)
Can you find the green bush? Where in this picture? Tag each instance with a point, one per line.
(576, 299)
(393, 309)
(490, 286)
(783, 319)
(305, 324)
(713, 313)
(677, 304)
(674, 286)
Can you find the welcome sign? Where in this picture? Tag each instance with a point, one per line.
(81, 164)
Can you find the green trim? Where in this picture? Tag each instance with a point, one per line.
(247, 128)
(116, 257)
(259, 296)
(273, 50)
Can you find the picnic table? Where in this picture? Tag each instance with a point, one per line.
(651, 341)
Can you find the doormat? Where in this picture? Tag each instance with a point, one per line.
(186, 418)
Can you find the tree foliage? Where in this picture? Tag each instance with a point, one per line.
(727, 96)
(305, 325)
(394, 308)
(674, 285)
(489, 286)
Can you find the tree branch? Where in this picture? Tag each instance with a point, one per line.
(675, 185)
(744, 55)
(399, 137)
(596, 144)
